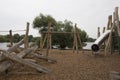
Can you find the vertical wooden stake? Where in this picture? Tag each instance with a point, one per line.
(41, 41)
(48, 40)
(110, 35)
(11, 40)
(103, 29)
(98, 32)
(26, 36)
(79, 39)
(75, 41)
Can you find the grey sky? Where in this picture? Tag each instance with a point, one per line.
(88, 14)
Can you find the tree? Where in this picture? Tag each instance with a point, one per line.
(41, 22)
(16, 38)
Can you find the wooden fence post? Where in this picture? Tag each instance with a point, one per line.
(26, 36)
(110, 35)
(11, 39)
(48, 40)
(41, 41)
(98, 32)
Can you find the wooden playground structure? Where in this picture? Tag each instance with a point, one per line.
(114, 27)
(17, 54)
(76, 41)
(7, 57)
(113, 33)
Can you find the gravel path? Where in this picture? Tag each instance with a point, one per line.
(70, 66)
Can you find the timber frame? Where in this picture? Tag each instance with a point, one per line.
(48, 38)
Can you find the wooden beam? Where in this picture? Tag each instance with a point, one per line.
(13, 48)
(6, 64)
(16, 58)
(58, 32)
(26, 35)
(48, 40)
(103, 29)
(110, 35)
(11, 40)
(98, 32)
(44, 57)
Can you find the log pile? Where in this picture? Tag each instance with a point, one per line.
(7, 58)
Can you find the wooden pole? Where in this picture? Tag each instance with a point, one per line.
(78, 37)
(110, 35)
(98, 32)
(117, 24)
(74, 41)
(41, 41)
(26, 36)
(48, 39)
(109, 25)
(11, 40)
(103, 29)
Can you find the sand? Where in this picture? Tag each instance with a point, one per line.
(69, 66)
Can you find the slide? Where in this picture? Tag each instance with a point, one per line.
(100, 40)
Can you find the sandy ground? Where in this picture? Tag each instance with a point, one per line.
(69, 66)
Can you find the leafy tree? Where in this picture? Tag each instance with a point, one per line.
(41, 22)
(16, 38)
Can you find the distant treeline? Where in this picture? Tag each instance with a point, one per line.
(17, 38)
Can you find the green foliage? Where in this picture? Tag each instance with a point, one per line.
(16, 38)
(41, 22)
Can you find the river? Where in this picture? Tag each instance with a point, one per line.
(4, 45)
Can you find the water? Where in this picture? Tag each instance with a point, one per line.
(4, 45)
(88, 46)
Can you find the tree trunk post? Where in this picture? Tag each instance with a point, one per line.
(11, 39)
(48, 39)
(41, 41)
(79, 39)
(26, 36)
(98, 32)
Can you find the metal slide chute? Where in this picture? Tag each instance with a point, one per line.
(100, 40)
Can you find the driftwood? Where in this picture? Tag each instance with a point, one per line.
(25, 62)
(31, 60)
(114, 75)
(44, 57)
(6, 64)
(13, 48)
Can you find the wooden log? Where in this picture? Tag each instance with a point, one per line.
(79, 39)
(76, 40)
(26, 36)
(6, 64)
(115, 75)
(13, 48)
(53, 32)
(31, 60)
(25, 62)
(110, 35)
(48, 40)
(11, 41)
(98, 32)
(41, 41)
(44, 57)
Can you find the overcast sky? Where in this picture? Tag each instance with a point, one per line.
(88, 14)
